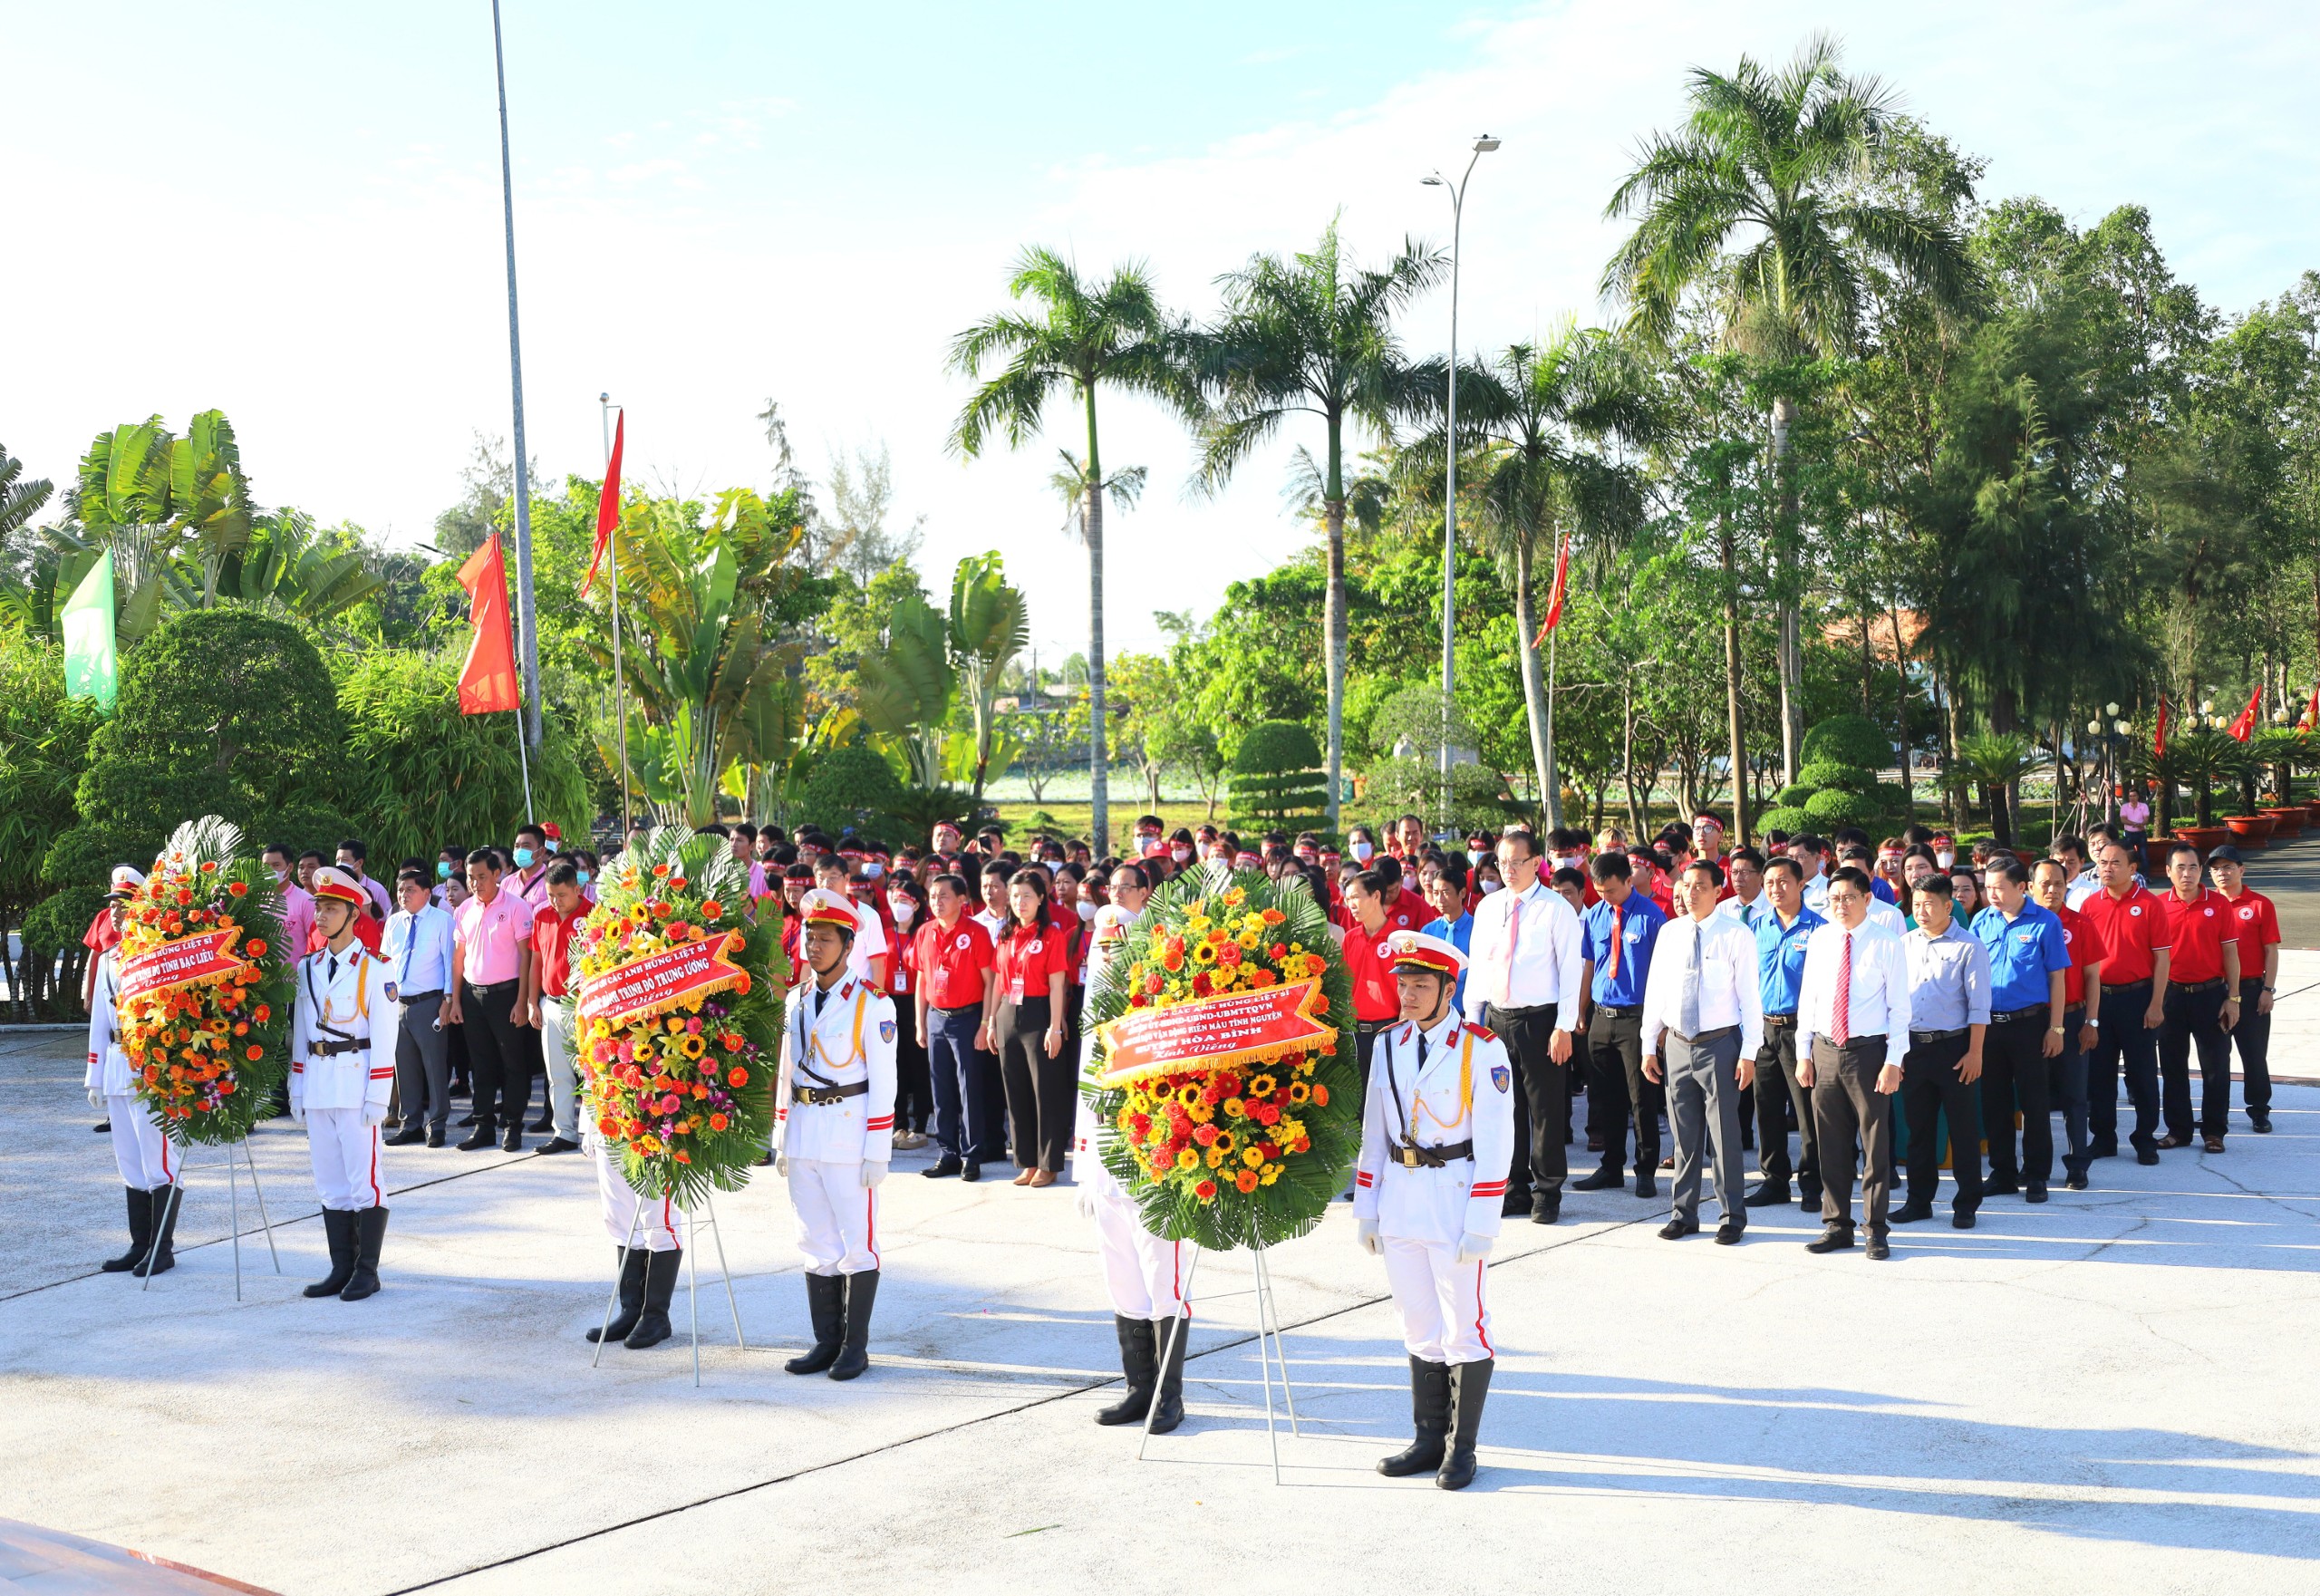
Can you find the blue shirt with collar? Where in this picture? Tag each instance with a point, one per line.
(1459, 933)
(2024, 951)
(1641, 920)
(1780, 956)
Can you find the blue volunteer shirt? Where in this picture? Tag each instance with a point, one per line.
(1640, 921)
(1459, 933)
(2024, 951)
(1779, 957)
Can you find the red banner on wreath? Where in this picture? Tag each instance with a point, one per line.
(187, 962)
(1213, 1033)
(661, 982)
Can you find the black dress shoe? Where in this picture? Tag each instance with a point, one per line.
(1729, 1232)
(2075, 1180)
(556, 1145)
(1836, 1238)
(104, 1128)
(513, 1141)
(2146, 1154)
(435, 1136)
(2034, 1193)
(1602, 1180)
(1675, 1230)
(971, 1170)
(947, 1164)
(2170, 1141)
(1910, 1213)
(405, 1138)
(1546, 1208)
(2260, 1123)
(465, 1119)
(545, 1122)
(2001, 1188)
(479, 1139)
(1645, 1186)
(1961, 1219)
(1516, 1206)
(1767, 1195)
(1878, 1251)
(2104, 1150)
(1809, 1201)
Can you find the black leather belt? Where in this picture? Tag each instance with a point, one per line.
(1620, 1011)
(2195, 986)
(2034, 1011)
(824, 1095)
(1414, 1157)
(2124, 986)
(418, 997)
(940, 1012)
(1780, 1020)
(1918, 1039)
(332, 1049)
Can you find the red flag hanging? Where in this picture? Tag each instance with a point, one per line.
(607, 504)
(2159, 732)
(2244, 727)
(2311, 721)
(487, 681)
(1555, 596)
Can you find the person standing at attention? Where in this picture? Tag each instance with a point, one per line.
(1617, 940)
(1852, 1027)
(1703, 1015)
(1525, 983)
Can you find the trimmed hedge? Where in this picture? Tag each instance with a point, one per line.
(1834, 807)
(1788, 819)
(1848, 739)
(1823, 774)
(1793, 797)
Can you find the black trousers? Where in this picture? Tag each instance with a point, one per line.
(496, 1054)
(1778, 1093)
(422, 1065)
(2123, 1042)
(1930, 1088)
(1366, 1034)
(1042, 1096)
(2195, 1020)
(1617, 1094)
(913, 1090)
(2253, 1037)
(1847, 1107)
(2014, 1073)
(1542, 1106)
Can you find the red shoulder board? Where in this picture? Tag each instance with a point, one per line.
(1484, 1031)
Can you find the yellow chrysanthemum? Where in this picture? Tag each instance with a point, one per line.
(1215, 1158)
(1234, 1109)
(1252, 1158)
(1187, 1159)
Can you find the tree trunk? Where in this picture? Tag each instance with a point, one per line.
(1534, 697)
(1100, 810)
(1946, 744)
(1902, 725)
(1626, 754)
(1792, 620)
(1733, 727)
(1333, 617)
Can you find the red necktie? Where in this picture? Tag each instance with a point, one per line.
(1618, 919)
(1839, 1031)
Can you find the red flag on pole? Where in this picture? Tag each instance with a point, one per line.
(2159, 732)
(487, 681)
(1555, 596)
(2311, 721)
(607, 504)
(2244, 727)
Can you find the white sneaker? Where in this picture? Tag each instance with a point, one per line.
(909, 1141)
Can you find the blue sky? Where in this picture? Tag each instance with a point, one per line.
(292, 212)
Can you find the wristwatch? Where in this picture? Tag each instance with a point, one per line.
(2054, 1031)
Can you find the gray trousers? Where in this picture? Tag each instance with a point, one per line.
(1704, 1085)
(556, 1033)
(422, 1065)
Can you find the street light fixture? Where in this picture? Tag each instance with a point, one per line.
(1483, 146)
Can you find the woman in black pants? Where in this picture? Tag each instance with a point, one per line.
(913, 1094)
(1028, 1024)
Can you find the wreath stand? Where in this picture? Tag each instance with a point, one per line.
(1268, 1324)
(693, 1223)
(163, 1223)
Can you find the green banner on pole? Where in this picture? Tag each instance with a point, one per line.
(90, 668)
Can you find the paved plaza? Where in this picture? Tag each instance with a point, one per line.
(2112, 1392)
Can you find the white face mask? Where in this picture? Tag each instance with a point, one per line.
(903, 908)
(1181, 855)
(1362, 850)
(1490, 886)
(1086, 910)
(1943, 858)
(873, 869)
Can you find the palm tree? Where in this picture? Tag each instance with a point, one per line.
(1998, 760)
(1775, 158)
(1083, 334)
(1310, 336)
(1538, 416)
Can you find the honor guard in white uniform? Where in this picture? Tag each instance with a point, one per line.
(340, 1083)
(1438, 1133)
(644, 1236)
(833, 1133)
(146, 1158)
(1143, 1274)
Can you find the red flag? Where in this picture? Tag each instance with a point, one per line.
(2159, 732)
(2244, 727)
(487, 681)
(607, 504)
(1555, 596)
(2311, 721)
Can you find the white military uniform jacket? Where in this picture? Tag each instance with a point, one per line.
(331, 1009)
(1439, 1088)
(852, 1044)
(108, 1070)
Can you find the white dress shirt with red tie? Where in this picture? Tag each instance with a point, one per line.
(1524, 953)
(1855, 984)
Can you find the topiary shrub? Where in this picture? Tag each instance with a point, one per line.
(849, 787)
(1821, 775)
(1834, 807)
(1786, 819)
(1793, 797)
(1276, 780)
(1848, 739)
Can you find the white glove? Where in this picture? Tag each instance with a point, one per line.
(1364, 1231)
(873, 1172)
(1472, 1249)
(375, 1114)
(781, 1165)
(1084, 1198)
(297, 1113)
(96, 1099)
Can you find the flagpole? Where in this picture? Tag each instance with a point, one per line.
(1546, 805)
(619, 681)
(530, 712)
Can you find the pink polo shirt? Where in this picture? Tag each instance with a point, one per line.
(490, 934)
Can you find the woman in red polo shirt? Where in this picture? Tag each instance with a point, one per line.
(1028, 1025)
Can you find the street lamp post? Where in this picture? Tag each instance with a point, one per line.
(1458, 192)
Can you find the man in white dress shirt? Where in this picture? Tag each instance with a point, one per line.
(1704, 1000)
(1852, 1029)
(416, 947)
(1523, 981)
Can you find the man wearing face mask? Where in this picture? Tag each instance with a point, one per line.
(450, 866)
(297, 903)
(528, 880)
(913, 1094)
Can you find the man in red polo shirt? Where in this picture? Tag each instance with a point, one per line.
(955, 963)
(2131, 923)
(551, 987)
(1377, 1001)
(2050, 881)
(2257, 924)
(1405, 908)
(2202, 1001)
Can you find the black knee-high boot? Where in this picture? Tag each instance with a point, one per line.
(1429, 1418)
(141, 1232)
(338, 1230)
(826, 1306)
(860, 1297)
(1140, 1362)
(659, 1284)
(1470, 1385)
(631, 1297)
(369, 1235)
